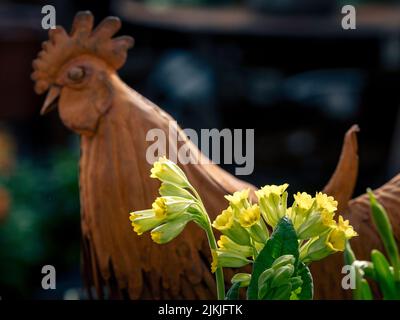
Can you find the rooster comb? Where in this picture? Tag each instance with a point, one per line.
(62, 47)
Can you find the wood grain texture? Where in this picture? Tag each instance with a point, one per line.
(114, 180)
(343, 181)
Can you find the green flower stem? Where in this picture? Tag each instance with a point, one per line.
(219, 273)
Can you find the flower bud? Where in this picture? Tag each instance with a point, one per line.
(227, 244)
(296, 282)
(169, 172)
(282, 275)
(170, 230)
(242, 278)
(230, 259)
(168, 189)
(265, 276)
(144, 220)
(283, 292)
(283, 261)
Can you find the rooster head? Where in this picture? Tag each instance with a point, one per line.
(76, 70)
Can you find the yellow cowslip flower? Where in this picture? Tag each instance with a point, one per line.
(156, 236)
(144, 220)
(170, 230)
(169, 172)
(227, 244)
(336, 240)
(331, 241)
(224, 220)
(316, 223)
(303, 200)
(250, 216)
(239, 200)
(160, 208)
(345, 226)
(327, 219)
(226, 223)
(272, 189)
(318, 218)
(273, 203)
(250, 219)
(326, 202)
(170, 206)
(302, 207)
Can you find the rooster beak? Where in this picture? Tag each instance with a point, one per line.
(51, 99)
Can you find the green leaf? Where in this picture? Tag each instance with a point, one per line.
(367, 267)
(233, 292)
(362, 290)
(365, 290)
(307, 288)
(349, 256)
(382, 223)
(283, 241)
(384, 276)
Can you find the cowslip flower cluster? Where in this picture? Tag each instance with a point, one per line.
(178, 204)
(245, 231)
(175, 207)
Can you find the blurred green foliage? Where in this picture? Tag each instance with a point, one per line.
(42, 226)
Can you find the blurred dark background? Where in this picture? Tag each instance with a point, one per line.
(285, 68)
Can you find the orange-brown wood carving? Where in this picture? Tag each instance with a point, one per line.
(112, 119)
(79, 72)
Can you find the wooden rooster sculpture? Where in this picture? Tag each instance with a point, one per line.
(79, 72)
(112, 119)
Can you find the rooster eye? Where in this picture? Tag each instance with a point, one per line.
(76, 73)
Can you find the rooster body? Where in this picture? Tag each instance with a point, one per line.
(113, 120)
(114, 180)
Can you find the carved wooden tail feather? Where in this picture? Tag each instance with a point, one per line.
(343, 181)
